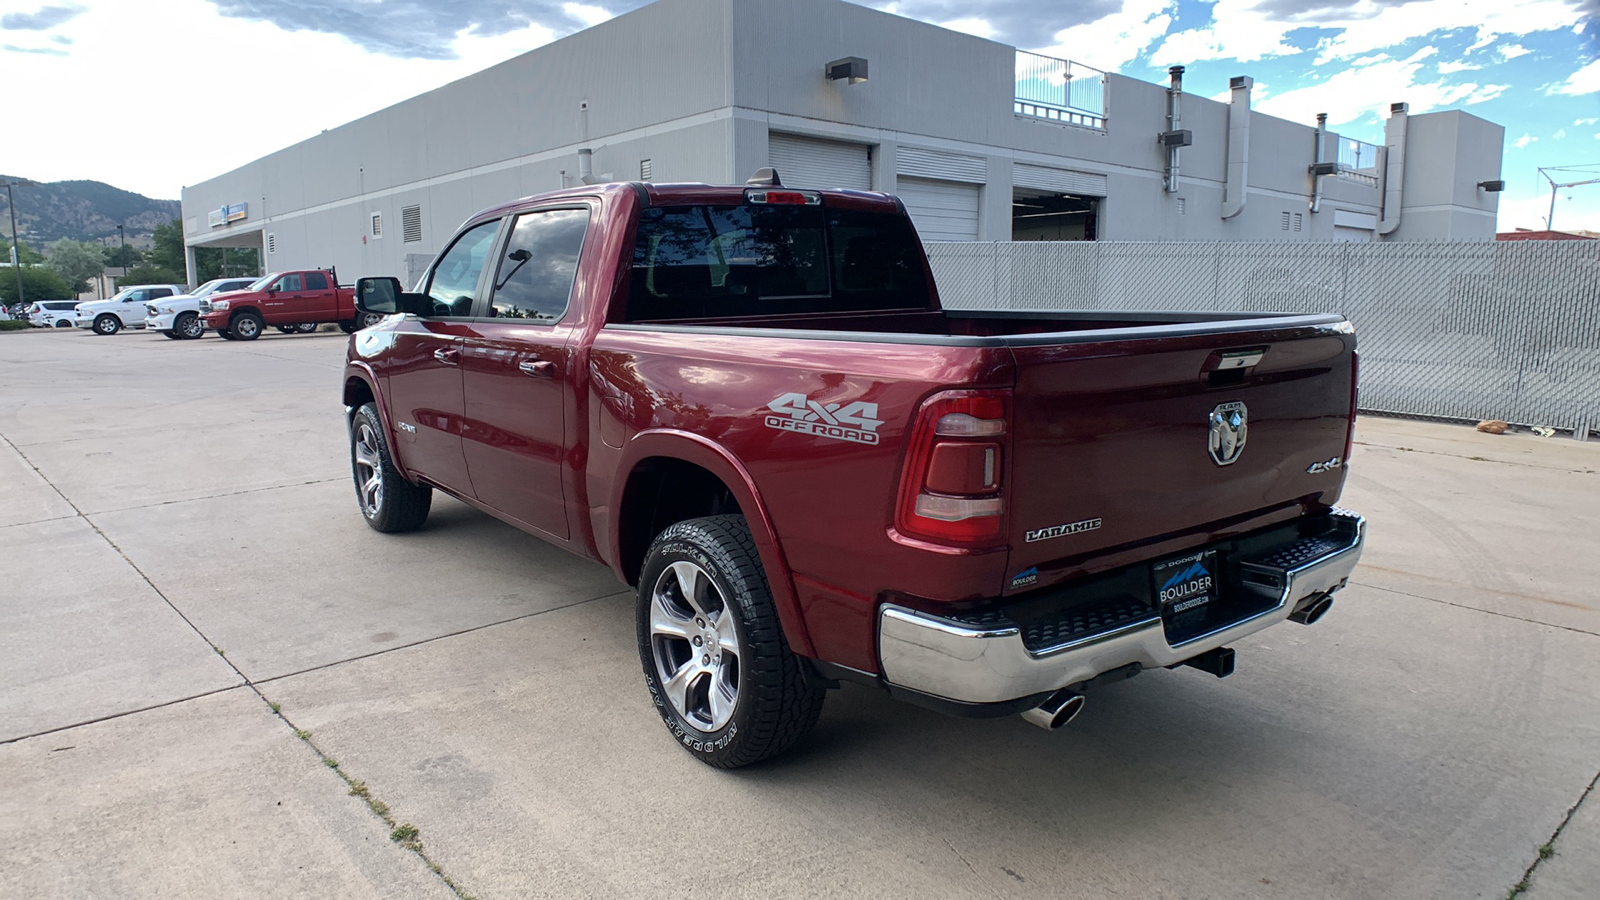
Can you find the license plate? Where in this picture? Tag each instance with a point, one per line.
(1188, 583)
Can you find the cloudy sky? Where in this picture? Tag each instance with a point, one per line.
(153, 95)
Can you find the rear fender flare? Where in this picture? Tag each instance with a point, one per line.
(719, 461)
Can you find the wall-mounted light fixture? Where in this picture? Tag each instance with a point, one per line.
(852, 68)
(1323, 168)
(1183, 137)
(1493, 187)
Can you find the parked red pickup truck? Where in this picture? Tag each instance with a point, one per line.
(748, 403)
(289, 301)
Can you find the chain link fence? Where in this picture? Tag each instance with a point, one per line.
(1466, 331)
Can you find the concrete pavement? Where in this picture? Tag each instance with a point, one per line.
(179, 551)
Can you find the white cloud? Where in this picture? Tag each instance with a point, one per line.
(588, 15)
(1358, 94)
(1450, 68)
(1113, 41)
(1512, 51)
(1560, 133)
(1576, 122)
(344, 84)
(973, 25)
(1584, 81)
(1242, 30)
(1523, 141)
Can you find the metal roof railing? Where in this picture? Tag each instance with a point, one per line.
(1060, 90)
(1358, 161)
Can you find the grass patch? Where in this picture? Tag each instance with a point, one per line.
(14, 325)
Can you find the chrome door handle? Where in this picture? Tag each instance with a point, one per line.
(538, 368)
(448, 357)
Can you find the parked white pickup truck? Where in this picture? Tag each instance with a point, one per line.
(123, 310)
(178, 316)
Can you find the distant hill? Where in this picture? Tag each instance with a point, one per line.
(81, 210)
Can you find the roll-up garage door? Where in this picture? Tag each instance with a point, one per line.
(805, 162)
(941, 210)
(1066, 181)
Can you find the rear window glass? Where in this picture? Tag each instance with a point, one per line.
(711, 261)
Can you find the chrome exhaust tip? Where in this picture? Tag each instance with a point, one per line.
(1309, 612)
(1057, 711)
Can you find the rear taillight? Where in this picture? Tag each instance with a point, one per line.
(952, 486)
(1355, 382)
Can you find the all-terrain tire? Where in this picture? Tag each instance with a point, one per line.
(392, 504)
(246, 326)
(778, 695)
(172, 335)
(225, 334)
(107, 324)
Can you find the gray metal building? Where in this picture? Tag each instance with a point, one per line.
(982, 141)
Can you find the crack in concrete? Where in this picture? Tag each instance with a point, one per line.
(439, 637)
(119, 715)
(256, 490)
(410, 843)
(1547, 849)
(1487, 612)
(1503, 462)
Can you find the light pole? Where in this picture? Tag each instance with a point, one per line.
(16, 249)
(124, 251)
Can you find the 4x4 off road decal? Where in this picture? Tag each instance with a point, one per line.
(855, 422)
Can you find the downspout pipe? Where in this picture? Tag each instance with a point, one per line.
(585, 166)
(1316, 157)
(1238, 145)
(1174, 125)
(1394, 166)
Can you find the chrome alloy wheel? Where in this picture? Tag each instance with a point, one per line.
(191, 327)
(695, 645)
(369, 469)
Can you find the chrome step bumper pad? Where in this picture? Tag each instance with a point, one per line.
(978, 664)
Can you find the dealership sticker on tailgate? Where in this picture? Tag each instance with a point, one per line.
(1185, 583)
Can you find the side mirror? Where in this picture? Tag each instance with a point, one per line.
(378, 295)
(272, 289)
(385, 297)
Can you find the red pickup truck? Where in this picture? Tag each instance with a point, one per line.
(748, 403)
(289, 301)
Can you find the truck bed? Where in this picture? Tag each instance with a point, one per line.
(998, 328)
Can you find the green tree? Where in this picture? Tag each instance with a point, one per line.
(168, 250)
(75, 261)
(30, 256)
(126, 257)
(149, 275)
(38, 283)
(226, 262)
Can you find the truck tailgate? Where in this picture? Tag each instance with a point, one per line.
(1114, 444)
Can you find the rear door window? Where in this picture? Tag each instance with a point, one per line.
(539, 265)
(316, 281)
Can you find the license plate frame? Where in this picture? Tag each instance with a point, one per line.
(1186, 584)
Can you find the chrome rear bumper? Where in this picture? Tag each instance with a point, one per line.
(974, 664)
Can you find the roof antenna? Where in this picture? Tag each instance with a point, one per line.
(765, 177)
